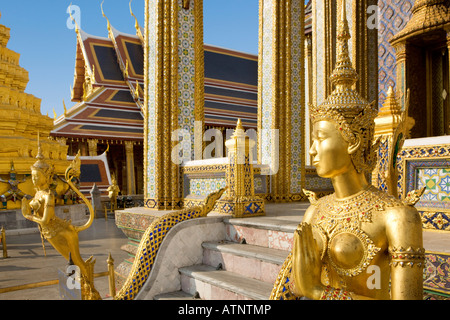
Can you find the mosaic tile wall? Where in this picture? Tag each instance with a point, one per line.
(203, 187)
(186, 71)
(428, 166)
(437, 183)
(437, 275)
(266, 88)
(393, 15)
(297, 97)
(150, 187)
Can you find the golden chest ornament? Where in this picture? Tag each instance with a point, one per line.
(346, 247)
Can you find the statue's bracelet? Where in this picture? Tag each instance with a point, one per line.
(330, 293)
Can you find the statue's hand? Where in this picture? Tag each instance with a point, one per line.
(307, 264)
(26, 208)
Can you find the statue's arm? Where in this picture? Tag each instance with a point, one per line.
(406, 253)
(49, 208)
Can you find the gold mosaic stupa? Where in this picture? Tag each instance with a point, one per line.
(21, 124)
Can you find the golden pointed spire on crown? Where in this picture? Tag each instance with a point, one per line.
(344, 74)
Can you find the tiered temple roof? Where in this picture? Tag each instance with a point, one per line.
(109, 81)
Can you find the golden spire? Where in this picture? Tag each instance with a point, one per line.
(40, 164)
(77, 28)
(136, 23)
(65, 109)
(239, 125)
(343, 99)
(104, 15)
(353, 115)
(343, 74)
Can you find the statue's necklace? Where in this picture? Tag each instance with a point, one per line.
(340, 222)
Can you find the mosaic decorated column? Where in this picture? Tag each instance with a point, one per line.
(174, 73)
(282, 96)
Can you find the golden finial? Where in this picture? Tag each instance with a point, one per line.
(126, 69)
(353, 115)
(41, 164)
(54, 114)
(65, 109)
(136, 92)
(239, 125)
(136, 24)
(73, 19)
(343, 74)
(104, 15)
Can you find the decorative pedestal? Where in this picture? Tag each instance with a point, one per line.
(240, 199)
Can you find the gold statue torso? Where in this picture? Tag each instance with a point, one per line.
(41, 201)
(351, 238)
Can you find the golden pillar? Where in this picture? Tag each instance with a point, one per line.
(92, 146)
(401, 57)
(281, 98)
(448, 47)
(131, 181)
(174, 96)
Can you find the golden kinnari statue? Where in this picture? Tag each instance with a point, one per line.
(358, 243)
(61, 234)
(113, 192)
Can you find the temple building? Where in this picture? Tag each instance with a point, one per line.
(108, 92)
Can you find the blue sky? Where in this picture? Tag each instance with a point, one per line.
(47, 46)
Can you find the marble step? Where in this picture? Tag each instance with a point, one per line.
(266, 232)
(212, 284)
(176, 295)
(251, 261)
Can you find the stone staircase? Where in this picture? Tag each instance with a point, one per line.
(244, 265)
(244, 260)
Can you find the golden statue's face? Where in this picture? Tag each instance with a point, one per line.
(38, 178)
(329, 150)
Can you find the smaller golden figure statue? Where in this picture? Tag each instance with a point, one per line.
(13, 193)
(113, 192)
(61, 234)
(360, 242)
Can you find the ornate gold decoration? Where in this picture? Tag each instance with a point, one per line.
(61, 234)
(392, 127)
(335, 294)
(113, 192)
(3, 242)
(352, 114)
(312, 196)
(409, 257)
(22, 122)
(427, 15)
(343, 235)
(240, 199)
(151, 242)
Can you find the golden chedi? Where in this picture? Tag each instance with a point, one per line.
(22, 122)
(358, 243)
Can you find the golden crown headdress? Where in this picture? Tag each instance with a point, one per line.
(41, 164)
(353, 115)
